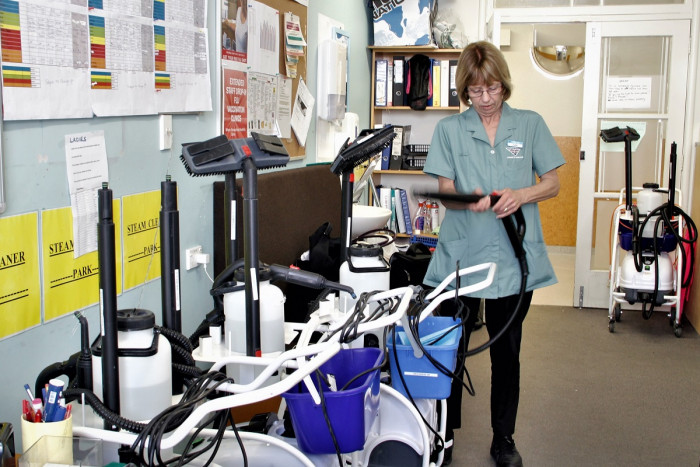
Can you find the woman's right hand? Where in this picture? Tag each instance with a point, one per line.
(482, 205)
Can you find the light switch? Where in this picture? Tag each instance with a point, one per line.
(165, 132)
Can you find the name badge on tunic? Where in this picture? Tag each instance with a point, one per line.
(514, 148)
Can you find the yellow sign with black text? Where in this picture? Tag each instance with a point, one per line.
(141, 231)
(20, 290)
(71, 283)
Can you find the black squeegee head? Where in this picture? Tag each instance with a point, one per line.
(367, 144)
(219, 155)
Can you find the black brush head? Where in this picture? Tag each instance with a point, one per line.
(220, 155)
(366, 145)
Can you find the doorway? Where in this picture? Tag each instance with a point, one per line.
(635, 75)
(560, 101)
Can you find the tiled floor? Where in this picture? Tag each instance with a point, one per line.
(563, 260)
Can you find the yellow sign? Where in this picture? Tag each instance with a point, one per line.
(71, 283)
(20, 292)
(141, 238)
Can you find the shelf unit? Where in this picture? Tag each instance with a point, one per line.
(404, 115)
(422, 123)
(408, 180)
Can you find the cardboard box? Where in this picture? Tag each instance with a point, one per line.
(402, 22)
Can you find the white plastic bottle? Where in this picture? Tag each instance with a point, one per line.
(271, 305)
(648, 199)
(366, 270)
(434, 216)
(145, 372)
(419, 220)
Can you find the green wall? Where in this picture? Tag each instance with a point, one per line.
(35, 179)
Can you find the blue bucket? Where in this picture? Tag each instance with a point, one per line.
(423, 380)
(350, 410)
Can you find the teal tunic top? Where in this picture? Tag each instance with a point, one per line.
(460, 150)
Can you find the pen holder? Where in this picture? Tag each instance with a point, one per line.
(32, 432)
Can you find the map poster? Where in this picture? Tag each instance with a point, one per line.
(404, 22)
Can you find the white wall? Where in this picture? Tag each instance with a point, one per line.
(560, 102)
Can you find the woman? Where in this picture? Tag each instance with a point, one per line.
(492, 148)
(235, 26)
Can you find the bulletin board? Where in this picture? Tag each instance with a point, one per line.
(292, 145)
(283, 6)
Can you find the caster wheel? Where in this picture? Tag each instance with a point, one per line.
(611, 325)
(677, 330)
(617, 312)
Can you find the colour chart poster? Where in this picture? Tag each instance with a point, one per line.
(129, 57)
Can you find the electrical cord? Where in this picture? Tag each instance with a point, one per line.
(327, 418)
(662, 214)
(146, 448)
(147, 444)
(440, 440)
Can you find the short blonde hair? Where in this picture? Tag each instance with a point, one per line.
(482, 63)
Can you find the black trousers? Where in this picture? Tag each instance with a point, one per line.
(505, 359)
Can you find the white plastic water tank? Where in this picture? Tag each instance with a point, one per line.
(648, 199)
(366, 270)
(271, 306)
(145, 373)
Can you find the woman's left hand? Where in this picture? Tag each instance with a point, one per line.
(510, 201)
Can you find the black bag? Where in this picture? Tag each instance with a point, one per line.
(324, 259)
(409, 268)
(419, 84)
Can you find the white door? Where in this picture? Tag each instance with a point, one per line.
(635, 75)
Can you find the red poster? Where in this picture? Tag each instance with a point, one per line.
(235, 104)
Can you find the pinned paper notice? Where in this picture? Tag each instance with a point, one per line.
(86, 163)
(301, 112)
(628, 93)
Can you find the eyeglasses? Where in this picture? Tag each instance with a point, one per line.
(492, 90)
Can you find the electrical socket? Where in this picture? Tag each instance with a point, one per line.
(191, 257)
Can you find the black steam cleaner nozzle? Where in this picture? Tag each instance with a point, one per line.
(307, 279)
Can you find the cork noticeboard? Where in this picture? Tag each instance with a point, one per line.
(291, 144)
(282, 6)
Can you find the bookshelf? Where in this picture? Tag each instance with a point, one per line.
(422, 122)
(408, 180)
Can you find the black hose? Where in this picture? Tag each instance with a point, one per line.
(666, 213)
(188, 370)
(113, 419)
(215, 317)
(176, 337)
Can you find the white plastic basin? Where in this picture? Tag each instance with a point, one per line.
(366, 218)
